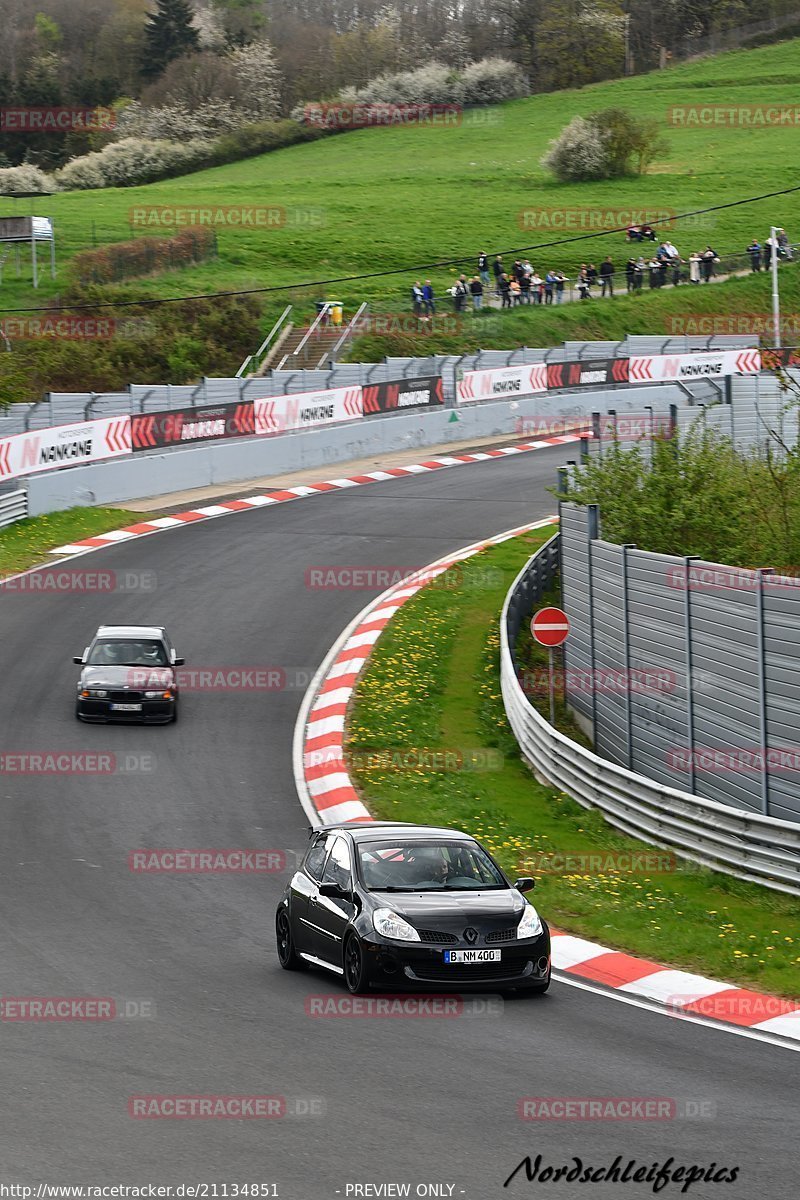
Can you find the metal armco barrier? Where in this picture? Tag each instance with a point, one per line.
(13, 507)
(748, 846)
(588, 374)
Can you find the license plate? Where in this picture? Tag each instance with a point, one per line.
(472, 956)
(126, 708)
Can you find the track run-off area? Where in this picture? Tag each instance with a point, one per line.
(203, 1007)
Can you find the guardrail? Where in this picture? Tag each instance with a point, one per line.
(748, 846)
(13, 507)
(252, 364)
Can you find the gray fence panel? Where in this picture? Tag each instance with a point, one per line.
(575, 586)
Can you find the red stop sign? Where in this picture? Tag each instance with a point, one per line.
(550, 626)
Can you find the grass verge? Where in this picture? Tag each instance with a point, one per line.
(27, 542)
(432, 684)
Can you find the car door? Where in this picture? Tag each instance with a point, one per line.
(331, 915)
(304, 893)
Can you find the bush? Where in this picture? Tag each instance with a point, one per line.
(133, 161)
(493, 80)
(126, 260)
(17, 180)
(610, 144)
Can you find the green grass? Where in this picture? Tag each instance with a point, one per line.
(396, 197)
(27, 542)
(433, 682)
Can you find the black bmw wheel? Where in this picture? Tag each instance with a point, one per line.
(355, 973)
(289, 959)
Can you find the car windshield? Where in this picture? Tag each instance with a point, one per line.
(435, 866)
(143, 652)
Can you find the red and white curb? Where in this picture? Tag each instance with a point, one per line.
(328, 797)
(209, 512)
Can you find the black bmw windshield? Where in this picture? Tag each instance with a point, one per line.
(144, 652)
(415, 866)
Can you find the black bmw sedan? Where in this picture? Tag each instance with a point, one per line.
(390, 906)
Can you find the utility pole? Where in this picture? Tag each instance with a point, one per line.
(776, 298)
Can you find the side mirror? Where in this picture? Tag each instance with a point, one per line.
(525, 884)
(178, 662)
(77, 660)
(334, 891)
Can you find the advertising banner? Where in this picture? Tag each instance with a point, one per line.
(399, 395)
(662, 368)
(64, 446)
(304, 410)
(496, 384)
(182, 426)
(590, 373)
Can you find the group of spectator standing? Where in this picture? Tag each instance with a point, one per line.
(521, 283)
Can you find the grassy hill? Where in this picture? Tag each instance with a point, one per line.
(399, 197)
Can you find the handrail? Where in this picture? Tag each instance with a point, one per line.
(323, 312)
(350, 329)
(266, 342)
(747, 845)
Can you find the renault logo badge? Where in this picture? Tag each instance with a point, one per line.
(471, 936)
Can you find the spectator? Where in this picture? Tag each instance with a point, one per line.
(695, 260)
(630, 274)
(754, 250)
(675, 266)
(504, 288)
(549, 284)
(460, 292)
(561, 279)
(647, 234)
(483, 267)
(536, 287)
(654, 267)
(784, 245)
(428, 297)
(497, 267)
(671, 249)
(526, 266)
(607, 277)
(476, 290)
(634, 234)
(525, 287)
(516, 291)
(417, 298)
(591, 274)
(583, 283)
(709, 258)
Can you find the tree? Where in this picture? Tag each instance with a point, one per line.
(605, 145)
(169, 34)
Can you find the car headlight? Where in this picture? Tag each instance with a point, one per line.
(158, 695)
(389, 925)
(97, 693)
(531, 923)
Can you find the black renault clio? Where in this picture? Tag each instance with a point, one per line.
(392, 906)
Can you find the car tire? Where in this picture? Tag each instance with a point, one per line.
(540, 988)
(175, 713)
(355, 969)
(288, 957)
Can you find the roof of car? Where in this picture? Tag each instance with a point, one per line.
(136, 631)
(372, 830)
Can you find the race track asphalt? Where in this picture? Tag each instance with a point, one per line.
(406, 1101)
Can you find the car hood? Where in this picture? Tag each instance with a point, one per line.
(453, 910)
(135, 679)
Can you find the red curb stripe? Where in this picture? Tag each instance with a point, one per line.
(741, 1007)
(615, 968)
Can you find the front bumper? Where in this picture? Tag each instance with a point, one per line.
(414, 965)
(153, 712)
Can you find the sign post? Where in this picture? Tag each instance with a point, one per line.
(550, 628)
